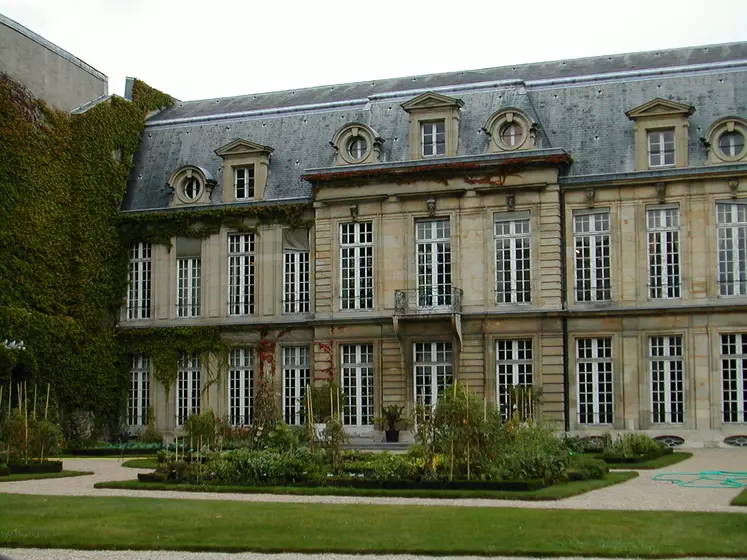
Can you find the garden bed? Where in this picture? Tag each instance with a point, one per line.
(554, 492)
(40, 476)
(652, 463)
(111, 451)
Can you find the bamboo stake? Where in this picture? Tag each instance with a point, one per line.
(339, 410)
(1, 396)
(34, 412)
(46, 405)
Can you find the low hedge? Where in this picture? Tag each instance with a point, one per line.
(637, 458)
(4, 470)
(111, 451)
(36, 468)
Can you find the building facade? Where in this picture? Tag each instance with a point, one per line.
(576, 226)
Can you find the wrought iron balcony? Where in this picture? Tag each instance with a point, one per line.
(428, 300)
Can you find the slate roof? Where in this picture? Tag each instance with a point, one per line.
(579, 104)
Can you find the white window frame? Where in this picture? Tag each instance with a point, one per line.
(296, 281)
(514, 367)
(595, 384)
(357, 376)
(241, 274)
(592, 247)
(189, 387)
(188, 286)
(731, 247)
(432, 370)
(140, 273)
(667, 371)
(139, 397)
(243, 178)
(433, 263)
(429, 138)
(296, 379)
(733, 378)
(356, 266)
(659, 157)
(512, 240)
(664, 260)
(240, 386)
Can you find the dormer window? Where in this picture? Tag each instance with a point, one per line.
(244, 182)
(726, 141)
(355, 144)
(510, 130)
(434, 125)
(245, 170)
(433, 138)
(661, 148)
(661, 133)
(191, 185)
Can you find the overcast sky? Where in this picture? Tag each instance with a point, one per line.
(196, 49)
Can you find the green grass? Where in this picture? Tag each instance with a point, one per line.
(658, 463)
(740, 499)
(230, 526)
(150, 463)
(556, 492)
(38, 476)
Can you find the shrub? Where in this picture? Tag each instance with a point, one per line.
(326, 400)
(4, 469)
(632, 445)
(201, 429)
(150, 434)
(45, 438)
(264, 467)
(576, 444)
(585, 467)
(33, 468)
(394, 467)
(282, 438)
(533, 452)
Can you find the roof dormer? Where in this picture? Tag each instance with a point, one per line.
(434, 125)
(245, 170)
(661, 133)
(191, 185)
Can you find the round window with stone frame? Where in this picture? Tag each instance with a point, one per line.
(191, 188)
(510, 130)
(727, 139)
(357, 147)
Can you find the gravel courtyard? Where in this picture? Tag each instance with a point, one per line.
(642, 493)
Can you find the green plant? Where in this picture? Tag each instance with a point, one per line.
(200, 430)
(151, 434)
(584, 467)
(334, 438)
(630, 445)
(533, 452)
(282, 438)
(326, 399)
(393, 418)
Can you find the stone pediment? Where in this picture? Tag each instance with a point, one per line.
(240, 147)
(432, 100)
(660, 108)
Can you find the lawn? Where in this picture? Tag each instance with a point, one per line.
(147, 463)
(37, 476)
(555, 492)
(658, 463)
(741, 499)
(229, 526)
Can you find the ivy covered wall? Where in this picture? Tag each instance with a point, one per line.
(63, 268)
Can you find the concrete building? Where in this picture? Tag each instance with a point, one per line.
(579, 226)
(51, 73)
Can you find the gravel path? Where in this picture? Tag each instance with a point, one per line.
(641, 493)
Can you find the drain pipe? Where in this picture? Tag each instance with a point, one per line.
(564, 316)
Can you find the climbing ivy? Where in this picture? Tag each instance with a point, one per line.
(63, 268)
(161, 227)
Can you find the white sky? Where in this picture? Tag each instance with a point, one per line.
(196, 49)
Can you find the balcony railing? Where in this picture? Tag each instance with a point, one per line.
(430, 300)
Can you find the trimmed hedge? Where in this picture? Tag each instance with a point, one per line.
(4, 470)
(111, 451)
(36, 468)
(638, 458)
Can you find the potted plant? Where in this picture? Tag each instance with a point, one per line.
(392, 419)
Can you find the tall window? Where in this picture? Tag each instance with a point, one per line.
(139, 401)
(240, 381)
(592, 242)
(433, 371)
(434, 263)
(734, 377)
(433, 138)
(512, 259)
(356, 265)
(138, 293)
(732, 248)
(189, 387)
(594, 371)
(357, 384)
(296, 379)
(296, 283)
(660, 148)
(663, 252)
(667, 379)
(188, 287)
(513, 368)
(244, 182)
(241, 274)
